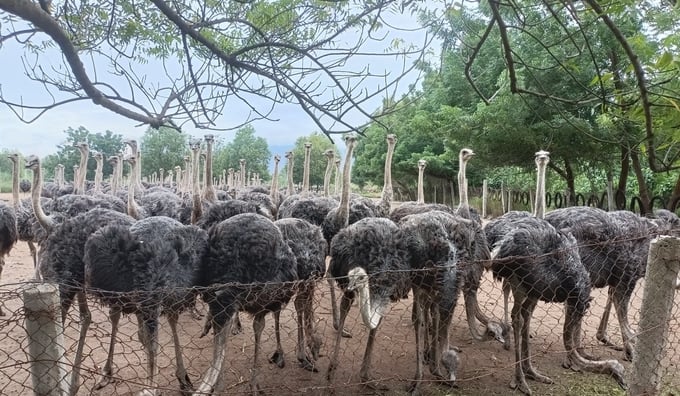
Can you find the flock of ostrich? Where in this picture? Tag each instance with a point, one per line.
(153, 249)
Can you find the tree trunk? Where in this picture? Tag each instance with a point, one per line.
(643, 189)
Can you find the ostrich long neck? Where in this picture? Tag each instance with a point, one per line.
(132, 207)
(343, 209)
(421, 192)
(464, 205)
(327, 176)
(337, 176)
(45, 221)
(274, 189)
(539, 210)
(82, 171)
(98, 174)
(197, 209)
(370, 314)
(114, 178)
(305, 168)
(387, 192)
(290, 176)
(209, 193)
(15, 184)
(244, 178)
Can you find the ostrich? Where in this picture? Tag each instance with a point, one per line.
(289, 173)
(367, 258)
(613, 247)
(115, 162)
(309, 248)
(8, 235)
(248, 267)
(132, 143)
(133, 209)
(385, 204)
(540, 262)
(305, 168)
(419, 206)
(79, 181)
(330, 158)
(274, 189)
(99, 172)
(24, 216)
(437, 243)
(147, 269)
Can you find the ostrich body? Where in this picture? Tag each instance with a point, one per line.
(147, 269)
(309, 248)
(368, 259)
(8, 234)
(248, 267)
(540, 263)
(613, 247)
(437, 242)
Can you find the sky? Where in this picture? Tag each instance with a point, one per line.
(43, 135)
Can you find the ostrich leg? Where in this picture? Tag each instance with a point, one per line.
(181, 372)
(148, 335)
(527, 311)
(305, 329)
(31, 246)
(86, 319)
(419, 326)
(114, 317)
(365, 371)
(345, 304)
(277, 358)
(620, 297)
(313, 339)
(212, 376)
(258, 327)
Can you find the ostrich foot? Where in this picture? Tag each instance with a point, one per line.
(603, 338)
(105, 379)
(185, 384)
(521, 385)
(307, 364)
(586, 355)
(196, 314)
(277, 359)
(414, 389)
(373, 384)
(618, 373)
(531, 373)
(148, 392)
(237, 328)
(345, 332)
(255, 390)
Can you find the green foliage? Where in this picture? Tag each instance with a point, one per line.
(108, 143)
(318, 161)
(162, 148)
(245, 145)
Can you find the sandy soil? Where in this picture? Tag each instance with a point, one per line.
(486, 367)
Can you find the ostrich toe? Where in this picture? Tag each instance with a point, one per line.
(277, 358)
(307, 364)
(148, 392)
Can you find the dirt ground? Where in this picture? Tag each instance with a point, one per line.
(486, 368)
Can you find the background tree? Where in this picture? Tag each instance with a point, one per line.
(246, 145)
(318, 161)
(162, 148)
(108, 143)
(245, 56)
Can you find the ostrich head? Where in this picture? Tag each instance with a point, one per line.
(330, 154)
(113, 160)
(131, 159)
(465, 154)
(82, 146)
(371, 311)
(391, 138)
(450, 361)
(542, 159)
(289, 155)
(277, 158)
(132, 143)
(358, 279)
(33, 163)
(422, 164)
(14, 157)
(195, 144)
(209, 138)
(98, 156)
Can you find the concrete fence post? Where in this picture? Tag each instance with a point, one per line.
(663, 265)
(49, 368)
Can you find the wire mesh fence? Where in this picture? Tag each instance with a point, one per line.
(485, 367)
